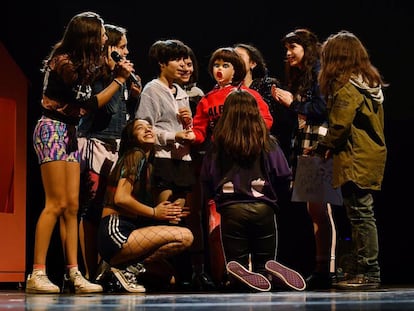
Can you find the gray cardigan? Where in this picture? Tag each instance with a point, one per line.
(160, 108)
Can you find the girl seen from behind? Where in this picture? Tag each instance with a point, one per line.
(228, 70)
(243, 172)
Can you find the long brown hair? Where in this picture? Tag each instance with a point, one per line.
(82, 42)
(129, 158)
(343, 56)
(114, 34)
(300, 80)
(240, 134)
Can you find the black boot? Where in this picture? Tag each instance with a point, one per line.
(202, 282)
(320, 280)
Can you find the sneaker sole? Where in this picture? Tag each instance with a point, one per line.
(357, 286)
(68, 287)
(54, 289)
(253, 280)
(288, 276)
(124, 283)
(97, 289)
(41, 291)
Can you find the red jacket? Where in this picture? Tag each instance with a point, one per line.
(210, 108)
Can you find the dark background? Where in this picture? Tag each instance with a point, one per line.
(385, 27)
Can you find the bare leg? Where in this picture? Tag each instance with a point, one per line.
(322, 229)
(70, 214)
(56, 201)
(325, 245)
(87, 236)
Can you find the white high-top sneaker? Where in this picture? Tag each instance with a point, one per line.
(82, 285)
(39, 283)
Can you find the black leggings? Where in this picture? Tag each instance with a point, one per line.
(249, 228)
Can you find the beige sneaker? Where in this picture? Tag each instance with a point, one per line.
(39, 283)
(81, 285)
(128, 278)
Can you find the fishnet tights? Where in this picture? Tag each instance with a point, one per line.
(153, 243)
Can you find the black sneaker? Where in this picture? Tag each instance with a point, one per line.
(103, 269)
(110, 283)
(254, 280)
(359, 282)
(202, 282)
(284, 276)
(320, 280)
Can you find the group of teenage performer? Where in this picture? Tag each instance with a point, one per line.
(146, 177)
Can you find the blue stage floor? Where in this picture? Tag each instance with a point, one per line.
(389, 298)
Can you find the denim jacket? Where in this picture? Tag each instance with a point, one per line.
(107, 122)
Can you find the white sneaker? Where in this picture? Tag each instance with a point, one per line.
(82, 285)
(127, 278)
(39, 283)
(136, 268)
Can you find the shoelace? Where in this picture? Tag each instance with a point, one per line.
(79, 280)
(42, 277)
(131, 278)
(136, 269)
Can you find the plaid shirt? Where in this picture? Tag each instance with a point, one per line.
(309, 135)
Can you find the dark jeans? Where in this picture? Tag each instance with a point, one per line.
(359, 204)
(249, 229)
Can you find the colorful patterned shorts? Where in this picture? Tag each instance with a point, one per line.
(50, 139)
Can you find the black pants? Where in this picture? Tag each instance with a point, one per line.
(249, 229)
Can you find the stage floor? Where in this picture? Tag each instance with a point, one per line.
(385, 298)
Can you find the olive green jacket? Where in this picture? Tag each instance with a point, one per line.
(356, 135)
